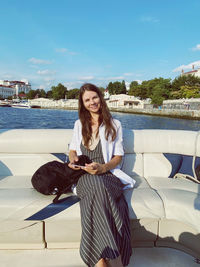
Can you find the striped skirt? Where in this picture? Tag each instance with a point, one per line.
(104, 219)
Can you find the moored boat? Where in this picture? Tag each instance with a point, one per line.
(4, 104)
(21, 105)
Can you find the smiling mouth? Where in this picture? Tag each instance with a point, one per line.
(95, 106)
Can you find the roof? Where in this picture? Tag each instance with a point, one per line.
(192, 71)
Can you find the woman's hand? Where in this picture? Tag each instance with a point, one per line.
(73, 158)
(95, 168)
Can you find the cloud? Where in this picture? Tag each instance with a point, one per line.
(38, 61)
(8, 76)
(116, 78)
(46, 72)
(196, 48)
(61, 50)
(73, 53)
(189, 66)
(128, 74)
(49, 79)
(24, 80)
(72, 85)
(149, 19)
(86, 78)
(65, 50)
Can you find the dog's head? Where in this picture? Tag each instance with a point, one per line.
(82, 159)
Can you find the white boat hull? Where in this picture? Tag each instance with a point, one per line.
(20, 106)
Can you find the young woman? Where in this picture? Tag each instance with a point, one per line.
(104, 211)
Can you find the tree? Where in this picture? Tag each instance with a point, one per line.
(183, 80)
(123, 87)
(143, 90)
(49, 94)
(73, 94)
(157, 95)
(31, 94)
(40, 93)
(110, 88)
(189, 91)
(59, 91)
(116, 88)
(134, 89)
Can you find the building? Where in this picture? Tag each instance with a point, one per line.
(195, 72)
(126, 101)
(106, 94)
(6, 91)
(11, 88)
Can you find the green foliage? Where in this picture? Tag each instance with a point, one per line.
(189, 80)
(73, 94)
(59, 91)
(184, 85)
(49, 94)
(110, 88)
(123, 87)
(40, 93)
(157, 89)
(36, 93)
(117, 88)
(31, 94)
(189, 91)
(157, 95)
(102, 89)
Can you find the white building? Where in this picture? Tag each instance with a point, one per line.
(106, 94)
(192, 72)
(126, 101)
(11, 88)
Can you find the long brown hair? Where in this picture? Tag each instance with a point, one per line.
(104, 115)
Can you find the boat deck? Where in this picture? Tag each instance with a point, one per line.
(142, 257)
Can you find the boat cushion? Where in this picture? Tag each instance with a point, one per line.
(181, 205)
(132, 164)
(23, 164)
(178, 183)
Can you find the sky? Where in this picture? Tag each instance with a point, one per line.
(47, 42)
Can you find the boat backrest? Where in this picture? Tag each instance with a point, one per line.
(147, 152)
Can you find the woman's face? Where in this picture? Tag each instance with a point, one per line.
(91, 101)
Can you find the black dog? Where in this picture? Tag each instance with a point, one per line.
(56, 178)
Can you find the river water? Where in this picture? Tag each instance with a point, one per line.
(13, 118)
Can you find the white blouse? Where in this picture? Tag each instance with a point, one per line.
(109, 148)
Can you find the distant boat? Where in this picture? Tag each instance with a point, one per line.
(21, 105)
(16, 103)
(4, 104)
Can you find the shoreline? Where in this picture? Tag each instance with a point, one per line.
(174, 113)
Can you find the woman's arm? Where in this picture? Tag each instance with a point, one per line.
(97, 168)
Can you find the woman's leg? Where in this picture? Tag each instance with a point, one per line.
(117, 262)
(102, 217)
(111, 263)
(101, 263)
